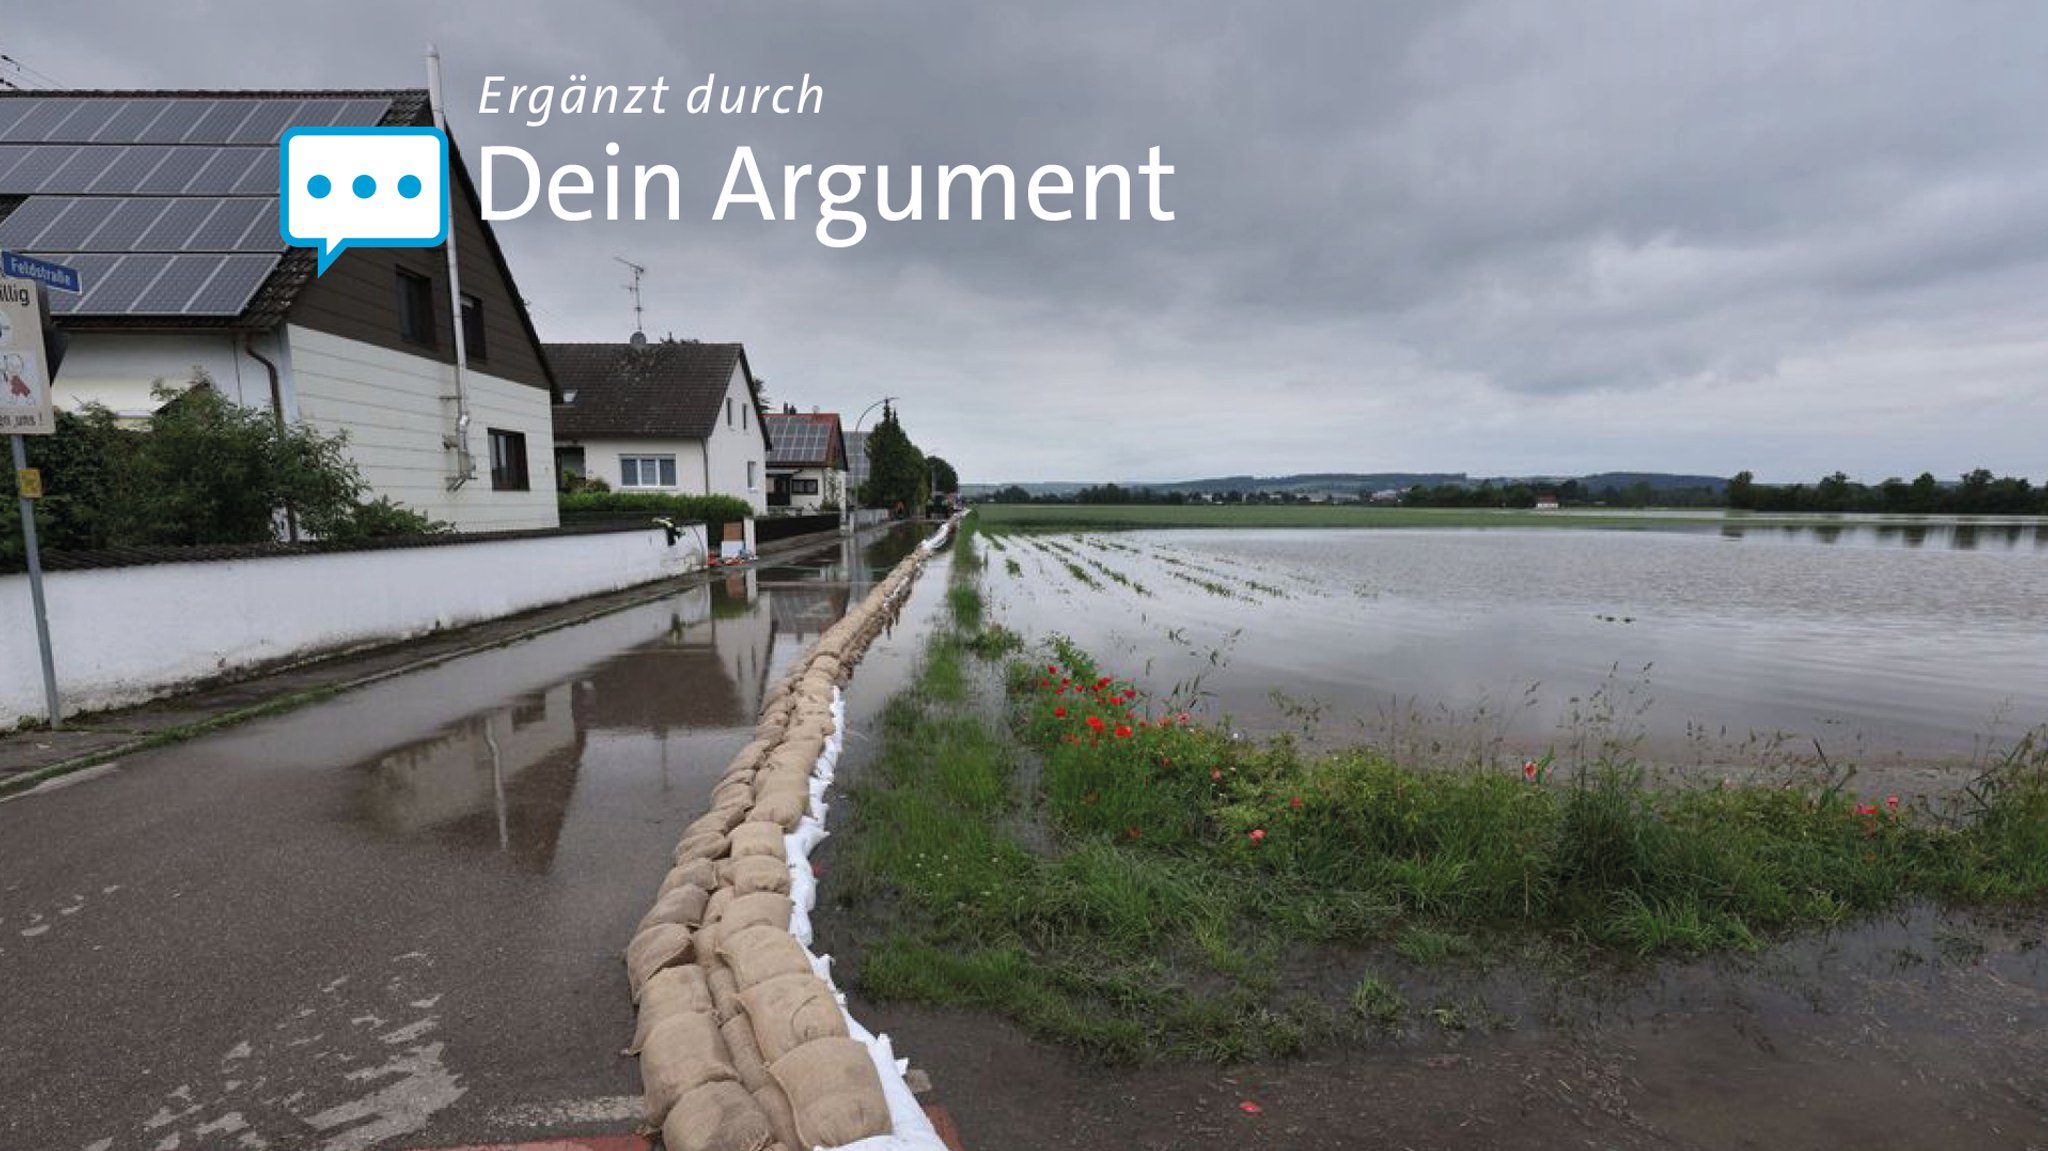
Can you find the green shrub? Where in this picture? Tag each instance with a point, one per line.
(602, 506)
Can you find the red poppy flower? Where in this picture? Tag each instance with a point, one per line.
(1258, 835)
(1250, 1108)
(1095, 722)
(1131, 832)
(1530, 770)
(1216, 773)
(1043, 682)
(1102, 683)
(1123, 731)
(1866, 809)
(1892, 802)
(1059, 713)
(1295, 803)
(1051, 670)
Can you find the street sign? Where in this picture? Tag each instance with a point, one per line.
(42, 272)
(29, 482)
(25, 408)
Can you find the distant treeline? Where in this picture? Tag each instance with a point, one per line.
(1978, 493)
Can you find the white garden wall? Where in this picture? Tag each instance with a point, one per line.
(129, 634)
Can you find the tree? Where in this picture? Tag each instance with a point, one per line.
(1742, 490)
(945, 480)
(896, 469)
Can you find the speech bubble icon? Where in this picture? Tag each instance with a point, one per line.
(341, 188)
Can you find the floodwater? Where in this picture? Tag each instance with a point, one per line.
(394, 917)
(1893, 646)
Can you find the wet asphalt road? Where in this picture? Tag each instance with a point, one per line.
(391, 919)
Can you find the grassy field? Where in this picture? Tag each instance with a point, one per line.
(1053, 846)
(1105, 517)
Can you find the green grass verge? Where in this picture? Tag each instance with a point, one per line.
(1136, 886)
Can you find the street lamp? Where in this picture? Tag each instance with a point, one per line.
(852, 493)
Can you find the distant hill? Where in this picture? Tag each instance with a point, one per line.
(1354, 483)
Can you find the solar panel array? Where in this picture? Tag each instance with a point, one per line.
(797, 440)
(167, 205)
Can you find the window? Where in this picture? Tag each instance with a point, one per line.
(473, 327)
(415, 308)
(508, 461)
(743, 416)
(804, 487)
(752, 481)
(728, 411)
(647, 471)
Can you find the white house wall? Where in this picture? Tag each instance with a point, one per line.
(117, 368)
(736, 444)
(396, 409)
(126, 635)
(601, 459)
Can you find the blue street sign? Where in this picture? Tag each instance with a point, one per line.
(42, 272)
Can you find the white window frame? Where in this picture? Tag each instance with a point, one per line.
(639, 464)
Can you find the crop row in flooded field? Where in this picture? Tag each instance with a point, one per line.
(1065, 848)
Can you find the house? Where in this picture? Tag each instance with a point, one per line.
(1546, 502)
(807, 465)
(167, 204)
(671, 416)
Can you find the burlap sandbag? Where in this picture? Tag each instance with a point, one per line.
(672, 991)
(708, 845)
(683, 905)
(721, 818)
(784, 808)
(721, 900)
(759, 954)
(745, 1051)
(759, 873)
(835, 1092)
(681, 1054)
(762, 908)
(775, 1105)
(758, 837)
(696, 872)
(791, 1011)
(737, 790)
(725, 994)
(717, 1117)
(662, 945)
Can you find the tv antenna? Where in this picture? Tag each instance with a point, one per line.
(634, 287)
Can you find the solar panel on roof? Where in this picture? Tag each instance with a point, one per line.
(229, 290)
(261, 178)
(129, 169)
(93, 266)
(131, 218)
(11, 112)
(219, 124)
(362, 113)
(43, 116)
(177, 120)
(266, 122)
(78, 172)
(80, 219)
(223, 169)
(129, 121)
(27, 222)
(178, 284)
(10, 155)
(320, 113)
(29, 175)
(120, 286)
(225, 227)
(82, 125)
(176, 225)
(176, 171)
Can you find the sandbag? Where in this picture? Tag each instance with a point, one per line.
(758, 837)
(662, 945)
(725, 994)
(696, 872)
(760, 873)
(775, 1105)
(759, 954)
(718, 1116)
(720, 901)
(682, 1053)
(722, 817)
(761, 909)
(835, 1092)
(745, 1051)
(672, 991)
(789, 1011)
(683, 905)
(785, 808)
(709, 845)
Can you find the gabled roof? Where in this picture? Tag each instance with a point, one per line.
(664, 388)
(805, 440)
(166, 201)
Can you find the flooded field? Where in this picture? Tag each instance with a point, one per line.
(1893, 646)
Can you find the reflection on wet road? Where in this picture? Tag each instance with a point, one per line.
(392, 917)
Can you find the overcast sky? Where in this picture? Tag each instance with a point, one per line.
(1493, 237)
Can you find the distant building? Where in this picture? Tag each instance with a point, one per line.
(1546, 502)
(807, 464)
(1387, 496)
(670, 416)
(167, 204)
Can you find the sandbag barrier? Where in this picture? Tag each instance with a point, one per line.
(744, 1042)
